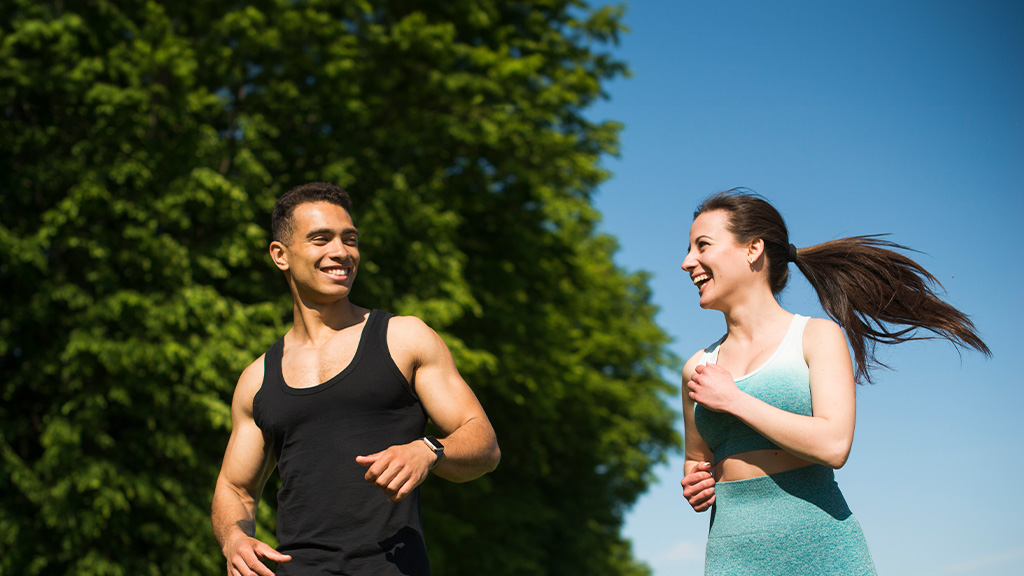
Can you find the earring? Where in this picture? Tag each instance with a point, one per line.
(750, 261)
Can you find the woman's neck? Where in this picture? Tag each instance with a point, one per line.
(752, 318)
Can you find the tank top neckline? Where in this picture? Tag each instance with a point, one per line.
(794, 325)
(364, 336)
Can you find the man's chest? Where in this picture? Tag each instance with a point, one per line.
(307, 366)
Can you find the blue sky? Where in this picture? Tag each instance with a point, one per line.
(852, 118)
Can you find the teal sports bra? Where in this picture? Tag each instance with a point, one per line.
(783, 381)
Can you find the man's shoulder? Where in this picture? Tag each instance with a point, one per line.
(249, 383)
(407, 325)
(254, 371)
(411, 335)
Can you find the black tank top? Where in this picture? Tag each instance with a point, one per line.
(329, 519)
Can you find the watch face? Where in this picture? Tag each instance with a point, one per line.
(434, 443)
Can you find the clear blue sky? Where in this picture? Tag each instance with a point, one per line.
(853, 118)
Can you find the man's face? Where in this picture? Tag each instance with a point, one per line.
(323, 252)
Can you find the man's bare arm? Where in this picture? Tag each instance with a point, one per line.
(470, 446)
(248, 461)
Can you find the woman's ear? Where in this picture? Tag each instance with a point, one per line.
(755, 250)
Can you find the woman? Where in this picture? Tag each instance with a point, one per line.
(769, 408)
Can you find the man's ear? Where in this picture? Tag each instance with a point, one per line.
(279, 254)
(755, 250)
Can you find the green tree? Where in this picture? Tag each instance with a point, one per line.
(142, 144)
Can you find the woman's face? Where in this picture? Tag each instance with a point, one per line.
(716, 263)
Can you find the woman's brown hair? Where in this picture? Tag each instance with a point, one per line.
(875, 293)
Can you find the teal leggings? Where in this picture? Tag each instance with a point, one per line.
(793, 523)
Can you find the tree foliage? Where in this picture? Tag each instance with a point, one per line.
(142, 145)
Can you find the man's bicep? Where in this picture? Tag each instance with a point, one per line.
(248, 458)
(445, 395)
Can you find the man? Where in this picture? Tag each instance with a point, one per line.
(339, 405)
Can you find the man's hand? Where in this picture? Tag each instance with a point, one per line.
(399, 469)
(699, 487)
(244, 556)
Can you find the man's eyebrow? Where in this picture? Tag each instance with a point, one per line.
(330, 232)
(319, 232)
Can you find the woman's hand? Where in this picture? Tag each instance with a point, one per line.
(713, 387)
(699, 487)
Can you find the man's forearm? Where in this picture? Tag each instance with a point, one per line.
(232, 514)
(470, 451)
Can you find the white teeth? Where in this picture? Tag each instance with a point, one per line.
(698, 280)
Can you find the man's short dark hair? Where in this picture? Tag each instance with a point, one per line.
(281, 219)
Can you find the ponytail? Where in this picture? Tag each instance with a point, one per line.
(881, 296)
(875, 293)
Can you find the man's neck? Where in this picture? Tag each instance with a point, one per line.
(316, 323)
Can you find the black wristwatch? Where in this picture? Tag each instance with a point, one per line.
(437, 447)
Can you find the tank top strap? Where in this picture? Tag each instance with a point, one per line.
(374, 339)
(376, 335)
(792, 347)
(272, 360)
(273, 379)
(376, 329)
(710, 355)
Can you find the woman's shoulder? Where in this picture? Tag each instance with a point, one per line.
(709, 354)
(700, 357)
(822, 335)
(692, 363)
(817, 328)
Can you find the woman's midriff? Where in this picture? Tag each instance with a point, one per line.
(756, 463)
